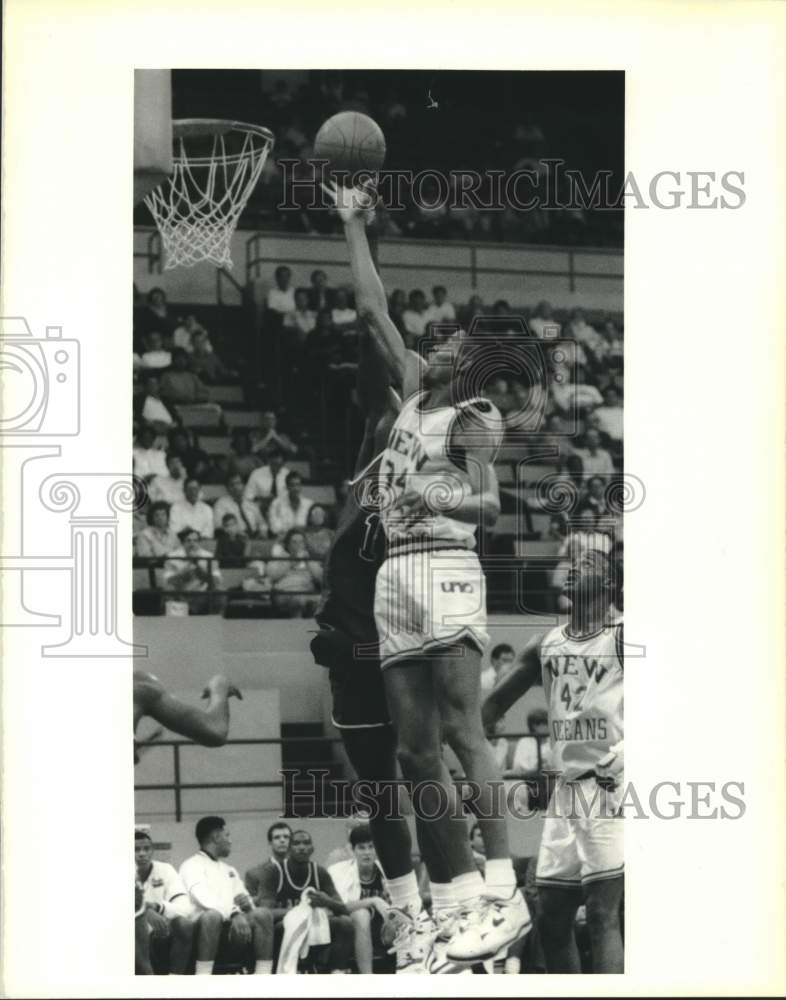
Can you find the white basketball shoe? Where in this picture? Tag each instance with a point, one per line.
(487, 927)
(410, 939)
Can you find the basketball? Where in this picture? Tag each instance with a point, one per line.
(350, 142)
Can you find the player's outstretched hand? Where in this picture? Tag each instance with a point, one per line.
(356, 203)
(220, 687)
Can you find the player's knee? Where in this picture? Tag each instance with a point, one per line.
(361, 918)
(602, 915)
(182, 928)
(417, 761)
(554, 916)
(211, 920)
(462, 735)
(262, 918)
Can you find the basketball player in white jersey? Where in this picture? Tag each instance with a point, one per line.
(581, 852)
(430, 600)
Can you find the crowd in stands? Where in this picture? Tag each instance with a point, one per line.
(204, 918)
(257, 515)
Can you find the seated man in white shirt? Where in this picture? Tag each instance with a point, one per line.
(414, 316)
(595, 461)
(192, 512)
(269, 481)
(532, 757)
(190, 570)
(168, 910)
(246, 511)
(609, 417)
(154, 411)
(155, 356)
(169, 488)
(224, 909)
(440, 310)
(361, 884)
(342, 315)
(291, 509)
(543, 321)
(281, 298)
(149, 461)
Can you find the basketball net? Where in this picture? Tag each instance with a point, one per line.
(215, 168)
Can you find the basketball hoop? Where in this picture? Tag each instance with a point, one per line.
(215, 166)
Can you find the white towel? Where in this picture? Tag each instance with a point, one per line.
(304, 927)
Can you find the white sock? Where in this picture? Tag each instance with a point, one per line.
(263, 967)
(443, 896)
(500, 877)
(404, 893)
(512, 966)
(467, 887)
(204, 968)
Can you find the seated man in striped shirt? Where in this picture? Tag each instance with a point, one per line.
(228, 920)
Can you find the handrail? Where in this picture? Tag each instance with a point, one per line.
(177, 786)
(254, 259)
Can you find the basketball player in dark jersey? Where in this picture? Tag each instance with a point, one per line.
(347, 644)
(281, 885)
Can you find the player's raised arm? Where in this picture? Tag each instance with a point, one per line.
(207, 726)
(514, 685)
(353, 207)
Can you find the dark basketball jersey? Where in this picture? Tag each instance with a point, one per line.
(374, 887)
(351, 566)
(290, 888)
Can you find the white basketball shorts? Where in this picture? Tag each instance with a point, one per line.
(428, 599)
(582, 839)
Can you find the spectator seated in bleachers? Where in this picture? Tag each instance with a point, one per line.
(186, 331)
(206, 364)
(319, 537)
(152, 408)
(169, 913)
(269, 438)
(181, 387)
(360, 883)
(169, 487)
(241, 459)
(190, 570)
(249, 518)
(280, 298)
(256, 580)
(342, 315)
(609, 415)
(571, 396)
(303, 319)
(414, 316)
(290, 509)
(157, 539)
(543, 320)
(155, 355)
(231, 542)
(155, 316)
(184, 443)
(440, 310)
(296, 578)
(267, 481)
(192, 512)
(149, 460)
(320, 297)
(501, 661)
(595, 460)
(228, 922)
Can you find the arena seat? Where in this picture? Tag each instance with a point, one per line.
(199, 416)
(230, 394)
(321, 494)
(243, 419)
(215, 445)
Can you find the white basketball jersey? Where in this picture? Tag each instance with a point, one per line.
(417, 457)
(583, 683)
